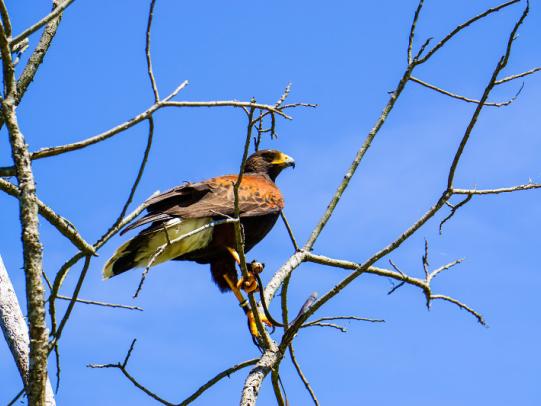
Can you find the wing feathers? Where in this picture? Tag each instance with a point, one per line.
(258, 195)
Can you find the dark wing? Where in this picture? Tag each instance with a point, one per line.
(181, 196)
(258, 196)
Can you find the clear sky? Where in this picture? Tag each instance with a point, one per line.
(346, 57)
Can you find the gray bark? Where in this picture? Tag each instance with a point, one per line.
(15, 330)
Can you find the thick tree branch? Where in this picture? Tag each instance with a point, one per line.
(32, 248)
(16, 331)
(6, 21)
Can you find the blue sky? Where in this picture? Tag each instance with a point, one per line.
(345, 57)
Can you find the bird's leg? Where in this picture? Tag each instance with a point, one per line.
(243, 303)
(249, 285)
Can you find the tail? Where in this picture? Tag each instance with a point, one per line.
(122, 260)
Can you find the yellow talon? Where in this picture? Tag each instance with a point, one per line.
(234, 254)
(252, 324)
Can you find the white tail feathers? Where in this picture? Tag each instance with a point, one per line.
(148, 244)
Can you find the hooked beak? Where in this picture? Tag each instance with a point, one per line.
(284, 161)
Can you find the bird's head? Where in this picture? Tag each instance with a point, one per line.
(268, 161)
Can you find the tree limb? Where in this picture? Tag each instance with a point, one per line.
(16, 331)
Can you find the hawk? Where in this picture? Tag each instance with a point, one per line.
(177, 218)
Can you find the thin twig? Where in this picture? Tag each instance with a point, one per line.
(289, 231)
(123, 368)
(454, 208)
(51, 16)
(434, 273)
(412, 31)
(463, 98)
(323, 324)
(333, 318)
(517, 188)
(217, 378)
(518, 75)
(499, 67)
(52, 151)
(71, 304)
(420, 283)
(301, 375)
(358, 157)
(98, 303)
(275, 378)
(464, 25)
(398, 285)
(227, 103)
(148, 54)
(477, 315)
(16, 398)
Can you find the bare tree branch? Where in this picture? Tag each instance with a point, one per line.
(6, 21)
(63, 272)
(424, 285)
(32, 248)
(32, 29)
(463, 98)
(499, 67)
(518, 75)
(289, 231)
(148, 55)
(98, 303)
(334, 318)
(228, 103)
(454, 208)
(477, 315)
(358, 157)
(527, 186)
(302, 376)
(277, 390)
(52, 151)
(464, 25)
(123, 368)
(412, 31)
(16, 331)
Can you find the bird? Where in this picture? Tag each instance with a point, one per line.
(189, 223)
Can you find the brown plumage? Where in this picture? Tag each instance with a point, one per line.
(190, 206)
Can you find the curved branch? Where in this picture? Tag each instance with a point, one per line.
(464, 25)
(463, 98)
(122, 366)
